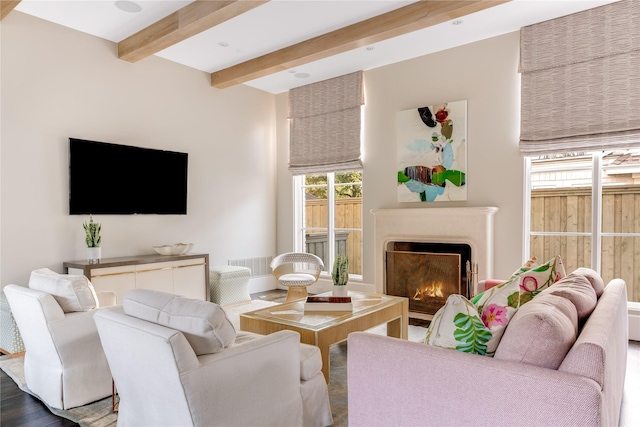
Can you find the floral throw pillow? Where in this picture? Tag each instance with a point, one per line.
(531, 263)
(535, 277)
(458, 326)
(533, 281)
(496, 307)
(477, 326)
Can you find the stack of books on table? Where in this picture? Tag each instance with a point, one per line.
(328, 303)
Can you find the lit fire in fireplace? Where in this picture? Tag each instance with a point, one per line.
(434, 289)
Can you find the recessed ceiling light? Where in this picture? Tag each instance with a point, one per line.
(128, 6)
(223, 44)
(302, 75)
(457, 22)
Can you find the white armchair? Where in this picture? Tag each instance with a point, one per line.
(166, 377)
(64, 365)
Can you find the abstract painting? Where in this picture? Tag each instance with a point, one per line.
(432, 153)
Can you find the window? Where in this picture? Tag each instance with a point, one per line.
(586, 208)
(329, 217)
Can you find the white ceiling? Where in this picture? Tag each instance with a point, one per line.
(280, 23)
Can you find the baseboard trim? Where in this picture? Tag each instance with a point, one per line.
(262, 284)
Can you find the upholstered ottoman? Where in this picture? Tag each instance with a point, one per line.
(10, 339)
(229, 284)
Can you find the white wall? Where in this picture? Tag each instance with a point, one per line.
(483, 73)
(59, 83)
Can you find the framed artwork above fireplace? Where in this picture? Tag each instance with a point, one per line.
(432, 153)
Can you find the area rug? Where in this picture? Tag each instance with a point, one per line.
(99, 414)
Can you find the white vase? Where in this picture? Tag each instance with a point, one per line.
(339, 291)
(94, 255)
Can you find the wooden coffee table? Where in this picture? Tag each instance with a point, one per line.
(324, 328)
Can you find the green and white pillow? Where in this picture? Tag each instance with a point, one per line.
(496, 307)
(458, 326)
(477, 326)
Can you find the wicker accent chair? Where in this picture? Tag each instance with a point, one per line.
(296, 271)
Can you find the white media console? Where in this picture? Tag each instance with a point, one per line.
(186, 275)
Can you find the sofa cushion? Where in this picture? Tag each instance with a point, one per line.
(593, 277)
(578, 290)
(72, 292)
(458, 326)
(541, 333)
(204, 324)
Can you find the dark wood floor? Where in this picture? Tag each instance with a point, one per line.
(21, 409)
(18, 408)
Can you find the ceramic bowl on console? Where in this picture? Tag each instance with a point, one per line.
(183, 248)
(175, 249)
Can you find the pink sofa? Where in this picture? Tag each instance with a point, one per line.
(393, 382)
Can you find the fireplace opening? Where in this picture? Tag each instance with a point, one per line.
(427, 273)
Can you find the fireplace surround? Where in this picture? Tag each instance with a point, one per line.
(472, 226)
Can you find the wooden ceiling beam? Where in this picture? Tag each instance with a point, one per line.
(407, 19)
(6, 6)
(192, 19)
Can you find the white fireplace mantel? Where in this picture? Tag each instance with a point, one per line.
(470, 225)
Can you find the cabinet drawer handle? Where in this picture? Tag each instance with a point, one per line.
(155, 269)
(190, 265)
(95, 276)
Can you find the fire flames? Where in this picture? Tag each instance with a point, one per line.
(433, 289)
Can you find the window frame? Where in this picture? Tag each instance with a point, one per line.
(596, 212)
(300, 227)
(596, 232)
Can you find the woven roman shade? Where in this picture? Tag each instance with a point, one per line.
(324, 125)
(581, 81)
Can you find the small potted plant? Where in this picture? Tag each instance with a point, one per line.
(92, 238)
(340, 275)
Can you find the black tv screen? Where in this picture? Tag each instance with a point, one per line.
(120, 179)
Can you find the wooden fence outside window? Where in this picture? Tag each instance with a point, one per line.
(569, 210)
(348, 216)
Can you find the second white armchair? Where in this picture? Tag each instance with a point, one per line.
(178, 361)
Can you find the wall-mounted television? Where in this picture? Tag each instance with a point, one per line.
(116, 179)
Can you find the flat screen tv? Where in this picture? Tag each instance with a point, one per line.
(118, 179)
